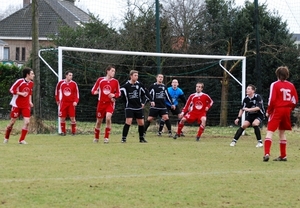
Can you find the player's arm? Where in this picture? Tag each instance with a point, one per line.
(187, 105)
(210, 102)
(95, 89)
(168, 96)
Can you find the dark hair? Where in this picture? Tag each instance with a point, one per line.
(282, 73)
(252, 86)
(26, 71)
(67, 72)
(109, 67)
(133, 72)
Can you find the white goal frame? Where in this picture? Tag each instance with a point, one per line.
(136, 53)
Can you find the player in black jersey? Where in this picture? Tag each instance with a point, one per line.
(159, 93)
(255, 112)
(134, 93)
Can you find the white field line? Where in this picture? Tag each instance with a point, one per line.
(181, 174)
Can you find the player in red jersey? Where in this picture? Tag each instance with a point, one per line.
(67, 98)
(195, 109)
(108, 89)
(283, 99)
(21, 103)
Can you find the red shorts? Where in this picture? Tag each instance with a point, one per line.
(103, 108)
(16, 112)
(280, 119)
(67, 109)
(192, 117)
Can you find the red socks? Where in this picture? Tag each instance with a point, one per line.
(23, 134)
(282, 146)
(107, 132)
(267, 145)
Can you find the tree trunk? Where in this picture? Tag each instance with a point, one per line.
(37, 121)
(224, 99)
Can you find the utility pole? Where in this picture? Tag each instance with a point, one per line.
(157, 36)
(258, 58)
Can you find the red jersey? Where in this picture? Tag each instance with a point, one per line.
(67, 91)
(105, 87)
(282, 94)
(197, 102)
(21, 85)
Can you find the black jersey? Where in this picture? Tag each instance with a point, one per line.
(255, 101)
(160, 94)
(134, 95)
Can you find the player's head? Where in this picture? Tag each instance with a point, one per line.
(199, 87)
(28, 73)
(175, 83)
(134, 75)
(282, 73)
(110, 71)
(69, 75)
(250, 90)
(159, 78)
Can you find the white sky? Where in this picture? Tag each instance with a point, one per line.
(113, 10)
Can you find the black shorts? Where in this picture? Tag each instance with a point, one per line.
(175, 111)
(154, 112)
(252, 117)
(131, 113)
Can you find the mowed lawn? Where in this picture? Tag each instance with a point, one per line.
(72, 171)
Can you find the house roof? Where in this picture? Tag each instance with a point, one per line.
(52, 14)
(296, 36)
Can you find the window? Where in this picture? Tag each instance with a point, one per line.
(23, 54)
(17, 54)
(6, 53)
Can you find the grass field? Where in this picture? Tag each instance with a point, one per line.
(71, 171)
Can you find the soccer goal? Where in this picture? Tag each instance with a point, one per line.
(62, 51)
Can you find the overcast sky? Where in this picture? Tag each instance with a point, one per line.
(112, 10)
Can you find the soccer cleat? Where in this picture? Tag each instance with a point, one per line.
(5, 141)
(142, 140)
(232, 144)
(197, 139)
(182, 134)
(123, 140)
(280, 159)
(266, 158)
(106, 140)
(175, 136)
(170, 134)
(96, 140)
(259, 144)
(62, 134)
(73, 134)
(23, 142)
(159, 133)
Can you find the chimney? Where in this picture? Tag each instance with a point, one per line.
(26, 3)
(72, 1)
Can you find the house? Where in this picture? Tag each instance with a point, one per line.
(296, 37)
(16, 29)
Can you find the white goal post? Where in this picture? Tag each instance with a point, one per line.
(136, 53)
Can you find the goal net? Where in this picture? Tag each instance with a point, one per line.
(88, 64)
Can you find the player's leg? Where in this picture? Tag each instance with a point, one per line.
(128, 122)
(152, 114)
(284, 125)
(256, 124)
(14, 114)
(26, 119)
(63, 112)
(139, 115)
(109, 113)
(181, 125)
(201, 128)
(72, 113)
(239, 132)
(165, 117)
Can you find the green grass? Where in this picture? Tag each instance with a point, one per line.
(55, 171)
